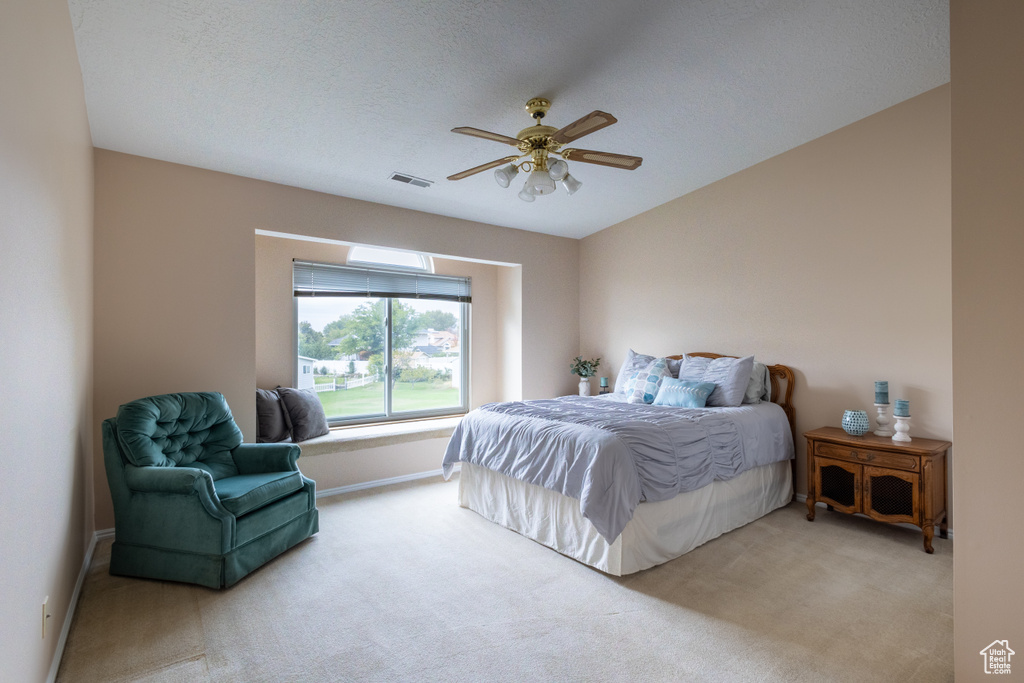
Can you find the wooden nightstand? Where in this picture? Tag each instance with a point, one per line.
(883, 479)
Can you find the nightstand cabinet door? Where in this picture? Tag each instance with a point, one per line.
(891, 495)
(839, 484)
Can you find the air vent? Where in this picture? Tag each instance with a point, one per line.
(411, 179)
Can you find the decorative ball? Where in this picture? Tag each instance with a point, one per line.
(855, 422)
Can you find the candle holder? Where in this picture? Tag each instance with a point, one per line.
(902, 428)
(882, 420)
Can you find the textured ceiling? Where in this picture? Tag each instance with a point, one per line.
(335, 96)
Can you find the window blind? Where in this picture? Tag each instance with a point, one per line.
(325, 279)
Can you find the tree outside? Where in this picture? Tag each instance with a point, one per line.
(357, 332)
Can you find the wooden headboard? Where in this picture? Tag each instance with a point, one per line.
(777, 373)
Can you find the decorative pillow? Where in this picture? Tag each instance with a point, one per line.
(643, 386)
(731, 375)
(760, 386)
(304, 413)
(271, 426)
(634, 363)
(683, 394)
(673, 366)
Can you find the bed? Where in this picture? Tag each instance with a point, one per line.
(622, 487)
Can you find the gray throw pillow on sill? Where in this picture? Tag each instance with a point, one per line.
(271, 426)
(304, 413)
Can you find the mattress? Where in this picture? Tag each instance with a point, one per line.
(658, 531)
(610, 456)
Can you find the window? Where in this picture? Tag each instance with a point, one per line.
(385, 344)
(373, 256)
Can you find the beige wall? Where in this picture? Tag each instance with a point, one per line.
(510, 335)
(832, 258)
(987, 80)
(46, 193)
(176, 293)
(373, 464)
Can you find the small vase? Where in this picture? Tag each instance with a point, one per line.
(585, 387)
(855, 422)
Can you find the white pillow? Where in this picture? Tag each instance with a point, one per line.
(633, 364)
(730, 376)
(760, 386)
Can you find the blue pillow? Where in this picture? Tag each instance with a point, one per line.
(643, 386)
(683, 394)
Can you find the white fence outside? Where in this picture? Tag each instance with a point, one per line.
(341, 367)
(452, 364)
(361, 382)
(332, 386)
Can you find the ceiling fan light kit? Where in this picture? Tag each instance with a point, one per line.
(537, 145)
(505, 174)
(557, 169)
(571, 184)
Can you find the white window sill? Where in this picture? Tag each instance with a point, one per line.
(373, 436)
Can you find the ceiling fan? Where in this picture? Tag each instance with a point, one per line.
(539, 143)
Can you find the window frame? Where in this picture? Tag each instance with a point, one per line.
(389, 415)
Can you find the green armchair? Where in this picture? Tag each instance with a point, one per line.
(193, 503)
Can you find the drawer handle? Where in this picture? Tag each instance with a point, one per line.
(862, 456)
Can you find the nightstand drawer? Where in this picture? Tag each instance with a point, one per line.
(867, 457)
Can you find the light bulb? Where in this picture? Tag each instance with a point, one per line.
(571, 184)
(557, 169)
(540, 183)
(504, 175)
(525, 194)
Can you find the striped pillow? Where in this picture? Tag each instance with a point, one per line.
(683, 394)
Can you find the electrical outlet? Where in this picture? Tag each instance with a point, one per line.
(46, 613)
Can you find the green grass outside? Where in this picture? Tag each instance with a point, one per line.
(406, 396)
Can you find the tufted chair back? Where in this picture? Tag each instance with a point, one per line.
(180, 430)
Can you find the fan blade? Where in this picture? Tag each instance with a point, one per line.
(482, 167)
(603, 158)
(487, 135)
(595, 120)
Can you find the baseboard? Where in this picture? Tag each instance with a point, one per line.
(383, 482)
(58, 653)
(802, 497)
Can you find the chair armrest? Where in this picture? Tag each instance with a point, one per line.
(257, 458)
(183, 494)
(183, 480)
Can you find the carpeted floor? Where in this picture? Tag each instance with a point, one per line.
(401, 584)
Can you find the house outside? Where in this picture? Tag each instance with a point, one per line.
(304, 372)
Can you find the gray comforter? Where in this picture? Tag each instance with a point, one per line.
(611, 455)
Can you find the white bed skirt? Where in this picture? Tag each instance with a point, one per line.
(658, 532)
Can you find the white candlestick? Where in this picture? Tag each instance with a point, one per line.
(882, 420)
(902, 428)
